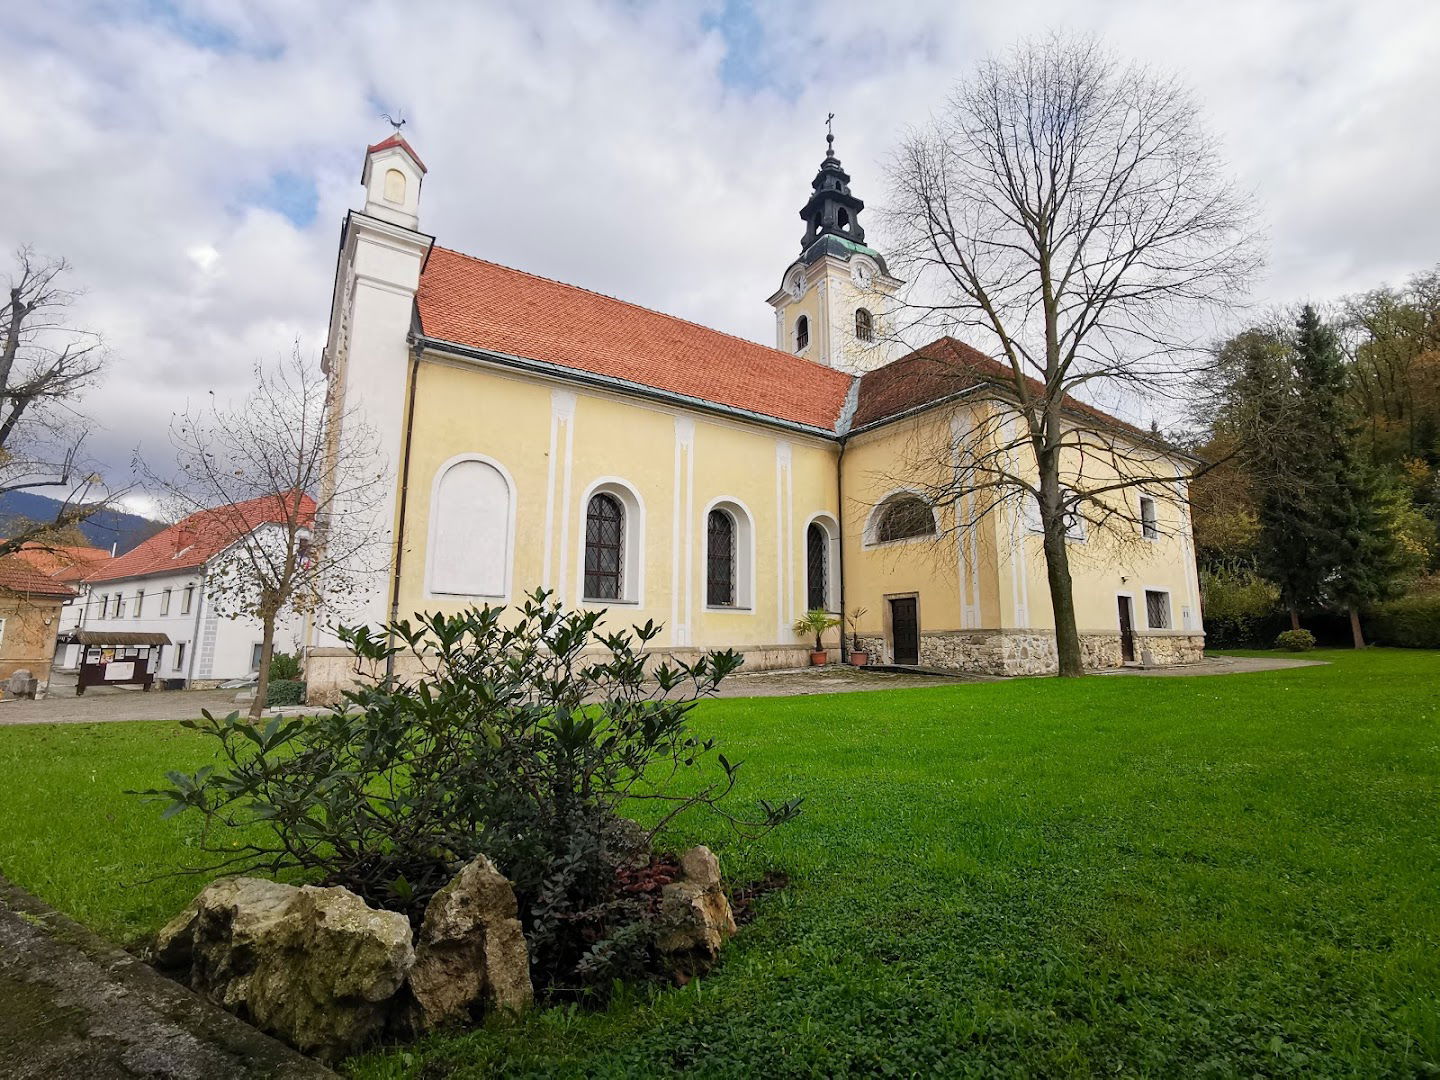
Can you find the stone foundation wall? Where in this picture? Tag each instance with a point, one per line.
(1032, 652)
(330, 671)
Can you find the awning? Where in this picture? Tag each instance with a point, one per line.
(120, 637)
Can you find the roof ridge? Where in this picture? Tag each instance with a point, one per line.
(642, 307)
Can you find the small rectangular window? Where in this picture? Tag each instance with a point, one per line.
(180, 656)
(1157, 609)
(104, 605)
(1149, 526)
(165, 602)
(186, 599)
(256, 651)
(139, 602)
(119, 609)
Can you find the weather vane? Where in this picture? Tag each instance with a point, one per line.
(830, 134)
(396, 124)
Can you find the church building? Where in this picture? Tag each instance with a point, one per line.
(540, 434)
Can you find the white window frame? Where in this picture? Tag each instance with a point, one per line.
(508, 556)
(832, 561)
(104, 606)
(632, 544)
(1169, 608)
(257, 650)
(1149, 528)
(187, 599)
(178, 660)
(802, 319)
(744, 555)
(165, 601)
(139, 604)
(872, 523)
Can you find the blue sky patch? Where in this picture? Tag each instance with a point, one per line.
(292, 194)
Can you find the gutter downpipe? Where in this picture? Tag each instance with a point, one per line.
(400, 511)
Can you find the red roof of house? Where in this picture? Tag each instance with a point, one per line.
(395, 140)
(197, 539)
(18, 576)
(63, 562)
(479, 304)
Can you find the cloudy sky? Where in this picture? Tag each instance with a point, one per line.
(194, 160)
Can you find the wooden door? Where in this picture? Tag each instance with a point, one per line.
(1127, 630)
(905, 631)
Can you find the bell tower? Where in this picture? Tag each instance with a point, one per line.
(834, 303)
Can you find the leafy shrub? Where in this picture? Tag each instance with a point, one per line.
(1295, 640)
(521, 742)
(1239, 606)
(1410, 622)
(284, 665)
(285, 692)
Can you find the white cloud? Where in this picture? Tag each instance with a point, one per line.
(602, 144)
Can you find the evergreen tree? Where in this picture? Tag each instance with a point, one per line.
(1349, 551)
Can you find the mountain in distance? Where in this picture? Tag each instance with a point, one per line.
(107, 528)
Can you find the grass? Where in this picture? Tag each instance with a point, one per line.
(1233, 875)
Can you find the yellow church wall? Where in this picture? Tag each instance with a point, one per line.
(559, 443)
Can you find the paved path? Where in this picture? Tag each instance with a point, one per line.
(113, 703)
(1223, 665)
(72, 1005)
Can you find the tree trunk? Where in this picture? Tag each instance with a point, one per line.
(1356, 634)
(1294, 619)
(262, 686)
(1062, 602)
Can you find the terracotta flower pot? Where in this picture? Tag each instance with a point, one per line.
(818, 658)
(859, 659)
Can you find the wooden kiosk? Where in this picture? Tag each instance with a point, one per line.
(118, 659)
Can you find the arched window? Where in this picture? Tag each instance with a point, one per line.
(903, 516)
(604, 548)
(843, 218)
(394, 186)
(864, 325)
(802, 333)
(817, 568)
(720, 559)
(470, 530)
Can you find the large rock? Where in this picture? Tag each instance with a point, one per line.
(315, 967)
(470, 956)
(695, 916)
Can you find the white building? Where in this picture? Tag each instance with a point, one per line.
(161, 587)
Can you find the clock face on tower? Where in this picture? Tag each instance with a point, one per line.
(862, 274)
(797, 285)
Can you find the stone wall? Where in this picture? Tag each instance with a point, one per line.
(329, 671)
(1032, 652)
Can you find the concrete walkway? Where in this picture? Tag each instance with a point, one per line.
(72, 1005)
(1223, 665)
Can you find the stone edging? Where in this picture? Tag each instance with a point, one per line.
(72, 1004)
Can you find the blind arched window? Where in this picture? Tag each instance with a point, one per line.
(864, 325)
(470, 539)
(604, 547)
(817, 568)
(902, 517)
(802, 333)
(720, 559)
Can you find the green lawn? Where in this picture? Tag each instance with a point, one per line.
(1233, 875)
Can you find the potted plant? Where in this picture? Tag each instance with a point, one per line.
(858, 656)
(817, 622)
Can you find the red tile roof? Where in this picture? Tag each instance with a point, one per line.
(395, 140)
(196, 539)
(479, 304)
(63, 562)
(18, 576)
(941, 369)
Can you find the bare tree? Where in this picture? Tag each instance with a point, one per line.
(297, 523)
(45, 363)
(1071, 214)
